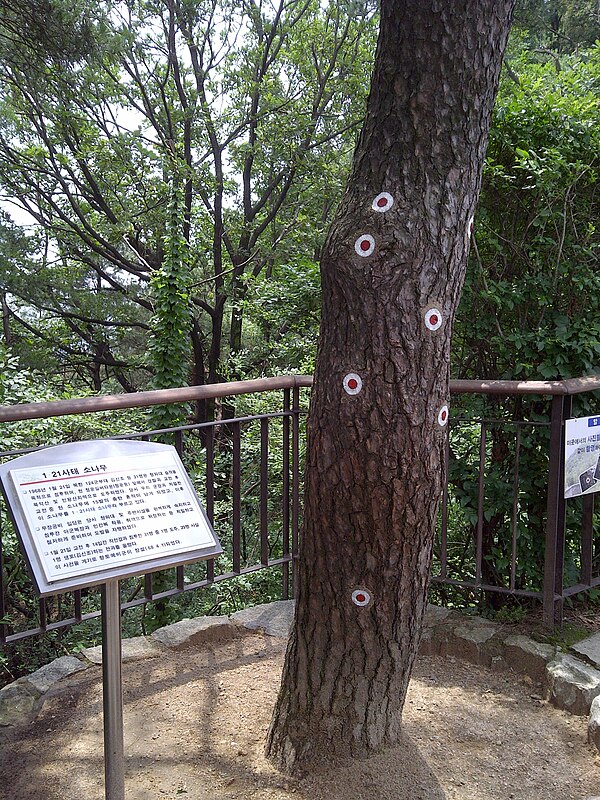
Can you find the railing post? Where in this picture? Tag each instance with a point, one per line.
(295, 485)
(2, 605)
(555, 519)
(587, 539)
(237, 499)
(264, 492)
(480, 506)
(285, 588)
(210, 493)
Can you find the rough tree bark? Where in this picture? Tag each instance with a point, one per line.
(392, 271)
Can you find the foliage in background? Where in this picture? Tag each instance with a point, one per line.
(168, 348)
(255, 107)
(531, 304)
(261, 141)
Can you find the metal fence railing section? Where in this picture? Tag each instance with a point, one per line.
(505, 529)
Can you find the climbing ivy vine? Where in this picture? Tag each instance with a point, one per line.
(169, 348)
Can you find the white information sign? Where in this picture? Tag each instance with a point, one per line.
(88, 519)
(582, 456)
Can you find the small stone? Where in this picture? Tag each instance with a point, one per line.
(429, 645)
(594, 724)
(525, 655)
(469, 642)
(434, 615)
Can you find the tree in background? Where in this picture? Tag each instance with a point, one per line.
(531, 305)
(392, 268)
(530, 308)
(560, 26)
(250, 107)
(45, 31)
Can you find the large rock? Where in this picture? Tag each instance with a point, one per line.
(17, 703)
(431, 642)
(275, 619)
(525, 655)
(191, 632)
(45, 677)
(594, 724)
(437, 630)
(19, 700)
(134, 649)
(472, 642)
(589, 650)
(572, 685)
(435, 615)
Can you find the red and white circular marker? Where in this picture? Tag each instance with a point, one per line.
(383, 202)
(433, 319)
(352, 383)
(360, 597)
(364, 245)
(443, 416)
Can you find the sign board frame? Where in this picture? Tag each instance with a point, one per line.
(582, 456)
(131, 452)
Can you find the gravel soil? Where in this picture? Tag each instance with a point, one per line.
(195, 723)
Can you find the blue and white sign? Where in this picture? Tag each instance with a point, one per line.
(582, 456)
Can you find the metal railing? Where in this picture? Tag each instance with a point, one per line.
(249, 464)
(546, 532)
(268, 446)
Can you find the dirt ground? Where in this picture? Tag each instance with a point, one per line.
(195, 723)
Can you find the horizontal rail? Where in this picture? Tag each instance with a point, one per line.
(187, 394)
(157, 397)
(567, 387)
(477, 586)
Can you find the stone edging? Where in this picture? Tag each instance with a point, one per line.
(567, 681)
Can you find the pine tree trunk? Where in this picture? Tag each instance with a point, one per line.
(392, 271)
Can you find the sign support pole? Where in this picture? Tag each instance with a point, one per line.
(112, 692)
(155, 529)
